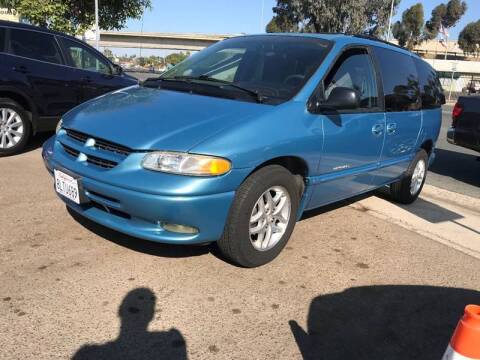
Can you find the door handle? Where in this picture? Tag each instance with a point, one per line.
(391, 128)
(21, 69)
(86, 79)
(377, 129)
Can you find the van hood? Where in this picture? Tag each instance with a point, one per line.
(153, 119)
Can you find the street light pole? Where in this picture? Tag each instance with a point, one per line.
(97, 30)
(390, 22)
(454, 69)
(261, 17)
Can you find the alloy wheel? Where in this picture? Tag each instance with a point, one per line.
(417, 177)
(269, 218)
(11, 128)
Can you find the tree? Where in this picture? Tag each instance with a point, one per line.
(175, 58)
(76, 16)
(347, 16)
(279, 24)
(409, 31)
(446, 15)
(109, 54)
(141, 61)
(378, 14)
(469, 38)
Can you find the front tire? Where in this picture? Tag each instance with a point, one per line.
(15, 127)
(262, 217)
(407, 190)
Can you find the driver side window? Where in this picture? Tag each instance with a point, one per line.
(354, 70)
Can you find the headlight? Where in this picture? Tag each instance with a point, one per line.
(186, 164)
(59, 126)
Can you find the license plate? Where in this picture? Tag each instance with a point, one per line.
(67, 186)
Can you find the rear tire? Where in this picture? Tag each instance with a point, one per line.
(269, 191)
(15, 127)
(407, 190)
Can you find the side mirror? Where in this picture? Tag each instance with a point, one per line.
(117, 69)
(341, 98)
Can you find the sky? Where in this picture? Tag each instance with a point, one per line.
(245, 16)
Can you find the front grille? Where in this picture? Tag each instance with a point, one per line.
(70, 151)
(99, 143)
(94, 160)
(106, 164)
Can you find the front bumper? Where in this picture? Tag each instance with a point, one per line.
(451, 135)
(140, 214)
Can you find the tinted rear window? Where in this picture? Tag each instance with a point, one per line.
(400, 80)
(2, 39)
(430, 87)
(34, 45)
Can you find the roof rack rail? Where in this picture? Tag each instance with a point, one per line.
(373, 38)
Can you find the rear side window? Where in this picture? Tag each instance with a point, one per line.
(83, 58)
(354, 70)
(430, 88)
(34, 45)
(400, 80)
(2, 39)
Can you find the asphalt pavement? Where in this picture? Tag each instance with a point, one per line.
(455, 168)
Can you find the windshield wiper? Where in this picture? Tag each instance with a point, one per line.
(255, 94)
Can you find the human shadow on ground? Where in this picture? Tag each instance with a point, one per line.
(382, 322)
(134, 340)
(140, 245)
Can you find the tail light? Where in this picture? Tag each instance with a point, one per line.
(457, 111)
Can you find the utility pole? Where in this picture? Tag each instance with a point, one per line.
(389, 34)
(261, 17)
(97, 30)
(454, 69)
(446, 46)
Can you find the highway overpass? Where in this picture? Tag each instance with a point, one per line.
(164, 41)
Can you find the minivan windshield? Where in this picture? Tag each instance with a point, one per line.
(273, 67)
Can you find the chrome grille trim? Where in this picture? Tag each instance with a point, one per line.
(99, 143)
(94, 160)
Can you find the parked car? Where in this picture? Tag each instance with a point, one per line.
(43, 74)
(465, 129)
(473, 87)
(235, 143)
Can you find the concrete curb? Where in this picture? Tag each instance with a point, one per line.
(437, 193)
(440, 215)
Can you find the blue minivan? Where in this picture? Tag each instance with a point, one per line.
(236, 142)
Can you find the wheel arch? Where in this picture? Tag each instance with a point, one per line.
(295, 164)
(23, 100)
(427, 145)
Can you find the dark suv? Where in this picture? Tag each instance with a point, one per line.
(43, 74)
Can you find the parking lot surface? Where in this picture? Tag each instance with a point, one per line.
(348, 285)
(455, 168)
